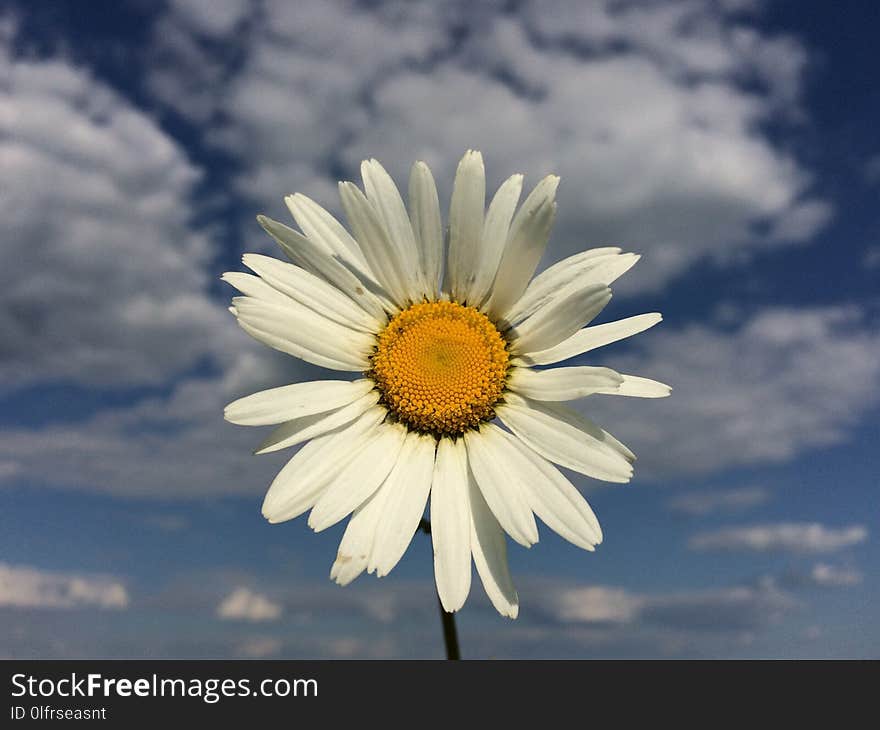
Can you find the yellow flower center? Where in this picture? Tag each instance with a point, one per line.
(440, 367)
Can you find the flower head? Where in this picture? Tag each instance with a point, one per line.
(446, 352)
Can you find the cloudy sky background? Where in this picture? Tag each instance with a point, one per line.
(732, 143)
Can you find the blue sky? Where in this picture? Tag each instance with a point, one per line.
(732, 143)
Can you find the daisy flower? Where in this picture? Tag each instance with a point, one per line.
(454, 406)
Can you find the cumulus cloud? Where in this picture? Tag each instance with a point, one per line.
(307, 76)
(392, 618)
(612, 621)
(737, 608)
(195, 47)
(211, 17)
(259, 647)
(733, 608)
(871, 258)
(594, 604)
(26, 587)
(106, 282)
(169, 447)
(759, 392)
(718, 500)
(296, 600)
(397, 618)
(795, 537)
(652, 113)
(825, 575)
(244, 604)
(872, 170)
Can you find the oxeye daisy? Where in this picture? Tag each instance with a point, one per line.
(454, 408)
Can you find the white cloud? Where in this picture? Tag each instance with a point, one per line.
(709, 43)
(672, 168)
(796, 537)
(872, 170)
(194, 49)
(351, 647)
(718, 500)
(651, 113)
(871, 258)
(212, 17)
(308, 72)
(244, 604)
(783, 382)
(832, 576)
(554, 611)
(105, 282)
(719, 610)
(560, 617)
(823, 575)
(27, 587)
(8, 470)
(174, 447)
(259, 647)
(736, 608)
(596, 604)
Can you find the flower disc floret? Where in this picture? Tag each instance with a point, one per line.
(440, 367)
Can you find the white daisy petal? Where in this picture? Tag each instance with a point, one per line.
(311, 291)
(573, 419)
(501, 486)
(385, 197)
(607, 271)
(378, 248)
(304, 478)
(359, 478)
(559, 384)
(566, 438)
(494, 237)
(345, 569)
(358, 539)
(465, 224)
(424, 213)
(408, 486)
(451, 524)
(559, 318)
(489, 548)
(591, 338)
(304, 333)
(319, 225)
(253, 286)
(278, 405)
(301, 429)
(587, 425)
(553, 498)
(529, 233)
(269, 337)
(581, 268)
(548, 280)
(637, 387)
(362, 290)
